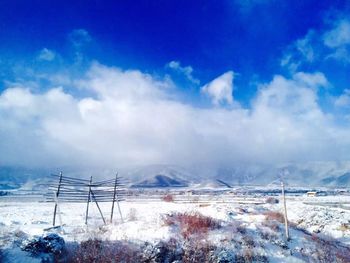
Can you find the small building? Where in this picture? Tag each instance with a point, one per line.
(312, 193)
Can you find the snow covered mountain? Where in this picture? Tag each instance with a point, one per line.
(160, 176)
(331, 174)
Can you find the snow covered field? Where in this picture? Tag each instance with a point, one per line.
(147, 220)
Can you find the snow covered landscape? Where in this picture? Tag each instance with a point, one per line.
(206, 225)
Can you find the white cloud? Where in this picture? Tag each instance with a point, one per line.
(131, 118)
(186, 71)
(46, 54)
(220, 89)
(343, 100)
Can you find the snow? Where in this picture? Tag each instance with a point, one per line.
(143, 219)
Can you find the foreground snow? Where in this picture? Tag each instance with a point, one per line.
(144, 221)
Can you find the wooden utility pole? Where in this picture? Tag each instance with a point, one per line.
(285, 212)
(56, 200)
(115, 198)
(88, 201)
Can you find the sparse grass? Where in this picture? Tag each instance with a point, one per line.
(168, 198)
(192, 223)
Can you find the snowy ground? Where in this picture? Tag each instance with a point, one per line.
(143, 220)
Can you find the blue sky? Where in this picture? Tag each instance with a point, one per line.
(213, 62)
(248, 37)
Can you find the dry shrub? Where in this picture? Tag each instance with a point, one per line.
(344, 227)
(168, 198)
(272, 200)
(343, 257)
(277, 216)
(237, 227)
(273, 225)
(248, 252)
(248, 255)
(198, 250)
(104, 251)
(242, 210)
(267, 235)
(192, 223)
(164, 251)
(329, 251)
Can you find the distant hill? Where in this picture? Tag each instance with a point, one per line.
(16, 177)
(159, 181)
(331, 174)
(342, 180)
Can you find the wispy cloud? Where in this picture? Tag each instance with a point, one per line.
(321, 45)
(46, 55)
(79, 37)
(186, 71)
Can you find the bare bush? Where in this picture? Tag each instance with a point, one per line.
(272, 200)
(104, 251)
(329, 251)
(163, 252)
(276, 216)
(272, 224)
(198, 250)
(168, 198)
(248, 255)
(190, 224)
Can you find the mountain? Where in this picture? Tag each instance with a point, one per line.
(331, 174)
(16, 177)
(160, 176)
(342, 180)
(159, 181)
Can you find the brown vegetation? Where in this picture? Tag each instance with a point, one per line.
(276, 216)
(329, 251)
(271, 200)
(104, 251)
(190, 224)
(168, 198)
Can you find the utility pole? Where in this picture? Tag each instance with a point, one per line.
(285, 212)
(88, 201)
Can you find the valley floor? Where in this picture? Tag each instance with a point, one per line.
(224, 226)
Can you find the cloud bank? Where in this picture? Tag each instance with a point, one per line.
(132, 118)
